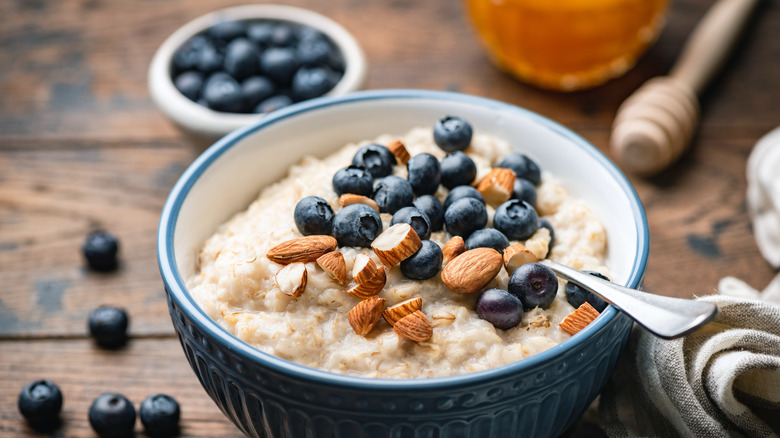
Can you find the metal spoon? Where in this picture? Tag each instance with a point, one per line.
(666, 317)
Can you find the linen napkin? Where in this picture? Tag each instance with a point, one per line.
(723, 380)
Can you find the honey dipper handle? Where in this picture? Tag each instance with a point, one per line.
(711, 41)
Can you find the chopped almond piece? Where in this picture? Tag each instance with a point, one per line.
(516, 255)
(497, 186)
(399, 150)
(453, 248)
(393, 313)
(364, 316)
(472, 270)
(303, 249)
(414, 326)
(364, 268)
(333, 263)
(371, 287)
(579, 319)
(292, 279)
(396, 244)
(351, 198)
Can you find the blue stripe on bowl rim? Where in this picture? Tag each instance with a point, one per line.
(176, 287)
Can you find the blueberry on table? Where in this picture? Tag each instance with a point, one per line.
(353, 179)
(255, 90)
(516, 219)
(100, 250)
(313, 215)
(576, 295)
(227, 30)
(460, 192)
(424, 174)
(457, 169)
(40, 403)
(279, 64)
(414, 217)
(189, 84)
(423, 264)
(465, 216)
(375, 158)
(534, 284)
(241, 59)
(452, 134)
(545, 223)
(392, 193)
(112, 415)
(500, 308)
(431, 206)
(523, 167)
(310, 82)
(273, 103)
(108, 326)
(524, 190)
(223, 93)
(160, 416)
(487, 238)
(356, 225)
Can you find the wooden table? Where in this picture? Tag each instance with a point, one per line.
(83, 147)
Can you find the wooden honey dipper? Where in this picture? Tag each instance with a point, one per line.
(654, 125)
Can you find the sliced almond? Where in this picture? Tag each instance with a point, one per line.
(291, 279)
(393, 313)
(579, 319)
(371, 287)
(333, 263)
(453, 248)
(396, 244)
(351, 198)
(497, 186)
(516, 255)
(364, 316)
(472, 270)
(364, 268)
(414, 326)
(303, 249)
(399, 150)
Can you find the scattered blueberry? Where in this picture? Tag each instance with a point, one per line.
(500, 308)
(544, 223)
(487, 238)
(227, 30)
(375, 158)
(414, 217)
(160, 415)
(112, 415)
(424, 174)
(423, 264)
(432, 207)
(457, 169)
(356, 225)
(353, 179)
(241, 59)
(452, 134)
(273, 103)
(40, 403)
(100, 250)
(576, 295)
(310, 82)
(524, 190)
(534, 284)
(223, 93)
(313, 215)
(189, 84)
(255, 90)
(279, 64)
(108, 325)
(462, 192)
(516, 219)
(392, 193)
(465, 216)
(523, 167)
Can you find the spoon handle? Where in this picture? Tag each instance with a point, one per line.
(666, 317)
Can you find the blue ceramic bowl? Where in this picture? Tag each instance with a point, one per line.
(270, 397)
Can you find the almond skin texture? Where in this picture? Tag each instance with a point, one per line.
(579, 319)
(472, 270)
(364, 316)
(516, 255)
(303, 249)
(497, 186)
(396, 244)
(292, 279)
(453, 248)
(351, 198)
(333, 263)
(414, 326)
(399, 150)
(393, 313)
(363, 269)
(369, 288)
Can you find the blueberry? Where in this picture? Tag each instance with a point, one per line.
(423, 264)
(375, 158)
(534, 284)
(255, 90)
(160, 415)
(576, 295)
(391, 193)
(356, 225)
(353, 179)
(40, 403)
(284, 35)
(209, 59)
(313, 215)
(241, 59)
(223, 93)
(544, 223)
(524, 190)
(112, 415)
(500, 308)
(452, 134)
(460, 192)
(457, 169)
(465, 216)
(310, 82)
(227, 30)
(100, 250)
(487, 238)
(273, 103)
(279, 64)
(424, 174)
(108, 325)
(189, 84)
(314, 51)
(187, 55)
(414, 217)
(516, 219)
(432, 207)
(523, 167)
(261, 32)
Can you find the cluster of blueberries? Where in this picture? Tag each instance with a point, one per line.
(256, 66)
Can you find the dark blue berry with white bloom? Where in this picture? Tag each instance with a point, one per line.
(40, 403)
(392, 193)
(500, 308)
(187, 55)
(431, 206)
(534, 284)
(112, 416)
(423, 264)
(261, 32)
(576, 295)
(255, 90)
(460, 192)
(524, 190)
(310, 82)
(100, 250)
(241, 59)
(227, 30)
(279, 64)
(189, 84)
(487, 238)
(424, 174)
(314, 50)
(523, 167)
(210, 59)
(108, 326)
(313, 215)
(356, 225)
(457, 169)
(160, 416)
(545, 223)
(465, 216)
(353, 179)
(452, 134)
(516, 219)
(273, 103)
(414, 217)
(223, 93)
(375, 158)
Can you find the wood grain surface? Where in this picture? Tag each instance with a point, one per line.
(82, 147)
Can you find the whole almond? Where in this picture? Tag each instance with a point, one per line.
(399, 150)
(351, 198)
(369, 288)
(393, 313)
(453, 248)
(303, 249)
(333, 263)
(414, 326)
(292, 279)
(579, 319)
(472, 270)
(497, 186)
(396, 244)
(364, 268)
(364, 316)
(516, 255)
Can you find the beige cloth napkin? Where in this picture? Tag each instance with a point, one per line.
(723, 380)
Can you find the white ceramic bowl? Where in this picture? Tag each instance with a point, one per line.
(211, 125)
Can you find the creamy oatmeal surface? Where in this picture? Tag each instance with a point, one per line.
(235, 283)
